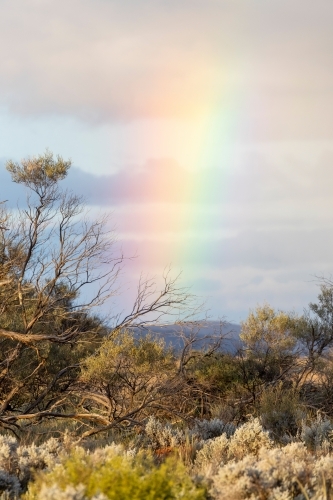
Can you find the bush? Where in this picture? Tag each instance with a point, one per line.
(111, 473)
(318, 435)
(208, 429)
(163, 436)
(213, 453)
(280, 411)
(18, 463)
(248, 439)
(286, 473)
(220, 374)
(276, 474)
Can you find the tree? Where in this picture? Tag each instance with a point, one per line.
(269, 347)
(314, 330)
(267, 332)
(197, 343)
(3, 218)
(127, 378)
(57, 266)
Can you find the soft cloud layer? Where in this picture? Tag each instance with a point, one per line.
(268, 62)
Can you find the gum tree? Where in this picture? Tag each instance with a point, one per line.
(269, 352)
(58, 266)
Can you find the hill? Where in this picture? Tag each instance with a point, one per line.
(173, 334)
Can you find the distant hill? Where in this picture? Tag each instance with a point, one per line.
(171, 335)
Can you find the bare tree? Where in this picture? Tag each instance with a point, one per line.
(154, 303)
(3, 218)
(57, 266)
(51, 252)
(196, 342)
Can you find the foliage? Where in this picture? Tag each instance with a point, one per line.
(113, 474)
(256, 424)
(275, 474)
(315, 328)
(213, 453)
(39, 172)
(248, 439)
(318, 434)
(281, 411)
(163, 436)
(127, 377)
(122, 355)
(268, 332)
(18, 462)
(208, 429)
(49, 253)
(246, 464)
(270, 349)
(220, 373)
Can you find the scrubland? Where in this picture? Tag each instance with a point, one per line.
(97, 406)
(210, 460)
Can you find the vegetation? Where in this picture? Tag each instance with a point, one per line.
(96, 407)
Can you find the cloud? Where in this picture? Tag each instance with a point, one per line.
(160, 198)
(100, 60)
(266, 64)
(9, 191)
(157, 181)
(257, 193)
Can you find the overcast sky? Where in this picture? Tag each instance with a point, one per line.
(206, 126)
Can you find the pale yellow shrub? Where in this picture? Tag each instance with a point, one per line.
(285, 473)
(248, 440)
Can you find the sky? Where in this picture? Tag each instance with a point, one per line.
(204, 126)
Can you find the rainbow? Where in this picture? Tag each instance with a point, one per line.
(176, 207)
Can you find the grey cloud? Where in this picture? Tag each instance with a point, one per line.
(279, 249)
(9, 191)
(281, 252)
(123, 60)
(258, 194)
(157, 181)
(205, 285)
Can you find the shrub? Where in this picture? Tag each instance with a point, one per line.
(280, 411)
(69, 493)
(276, 474)
(208, 429)
(213, 453)
(163, 436)
(219, 373)
(9, 485)
(113, 474)
(18, 463)
(248, 439)
(318, 435)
